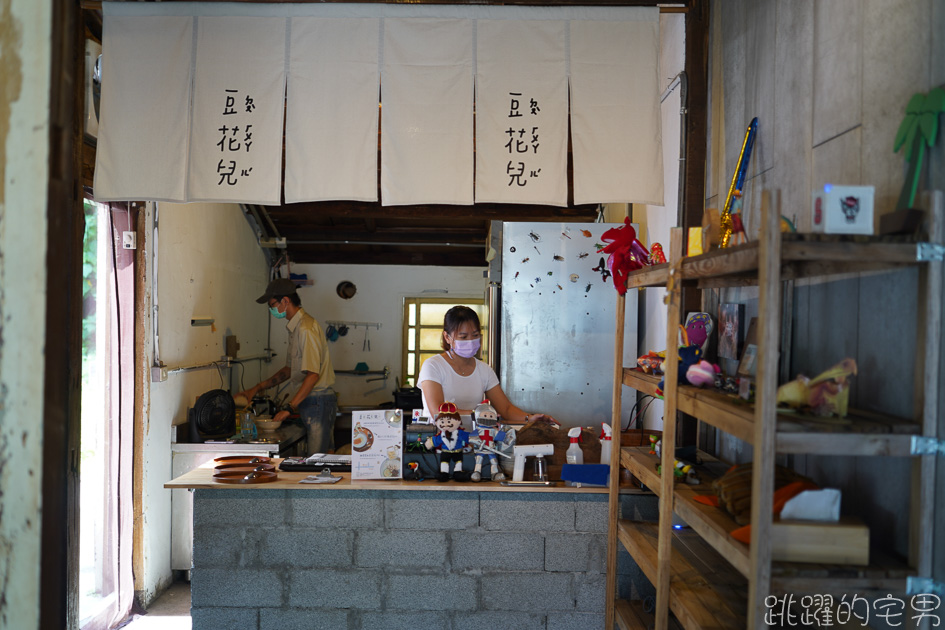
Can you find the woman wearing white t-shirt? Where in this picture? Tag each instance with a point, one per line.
(457, 376)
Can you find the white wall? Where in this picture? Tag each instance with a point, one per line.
(656, 221)
(209, 265)
(380, 298)
(24, 139)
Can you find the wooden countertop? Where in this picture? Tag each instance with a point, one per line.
(202, 478)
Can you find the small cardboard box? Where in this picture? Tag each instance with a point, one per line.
(843, 210)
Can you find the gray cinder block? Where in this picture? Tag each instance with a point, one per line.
(325, 588)
(239, 507)
(392, 620)
(215, 618)
(568, 552)
(497, 550)
(302, 547)
(575, 621)
(338, 508)
(591, 512)
(299, 619)
(431, 592)
(505, 620)
(235, 587)
(400, 549)
(225, 547)
(514, 512)
(591, 591)
(432, 510)
(535, 592)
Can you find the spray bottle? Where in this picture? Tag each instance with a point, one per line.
(574, 454)
(606, 438)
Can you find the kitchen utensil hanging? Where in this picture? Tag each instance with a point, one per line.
(366, 346)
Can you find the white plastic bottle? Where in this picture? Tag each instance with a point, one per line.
(606, 439)
(574, 454)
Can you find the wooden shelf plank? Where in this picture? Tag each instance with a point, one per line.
(715, 525)
(802, 256)
(705, 592)
(631, 616)
(711, 523)
(860, 433)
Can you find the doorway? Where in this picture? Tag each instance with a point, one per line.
(106, 589)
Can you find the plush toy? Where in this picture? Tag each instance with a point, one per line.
(688, 356)
(699, 327)
(650, 363)
(449, 442)
(626, 253)
(701, 374)
(491, 438)
(826, 395)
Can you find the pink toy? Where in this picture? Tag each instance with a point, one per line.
(701, 374)
(626, 253)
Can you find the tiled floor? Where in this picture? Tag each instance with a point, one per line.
(170, 611)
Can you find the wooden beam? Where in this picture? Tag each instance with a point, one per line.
(59, 554)
(483, 211)
(376, 255)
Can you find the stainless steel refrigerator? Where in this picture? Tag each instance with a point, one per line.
(554, 308)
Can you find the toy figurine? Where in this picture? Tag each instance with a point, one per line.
(699, 327)
(489, 439)
(654, 445)
(449, 441)
(626, 253)
(825, 395)
(657, 257)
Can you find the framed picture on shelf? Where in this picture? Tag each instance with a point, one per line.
(730, 323)
(748, 362)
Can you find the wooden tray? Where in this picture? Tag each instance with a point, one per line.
(246, 478)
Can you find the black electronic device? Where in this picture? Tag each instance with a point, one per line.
(213, 416)
(307, 464)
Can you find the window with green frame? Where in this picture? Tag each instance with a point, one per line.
(423, 323)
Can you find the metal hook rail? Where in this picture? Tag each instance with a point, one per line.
(338, 322)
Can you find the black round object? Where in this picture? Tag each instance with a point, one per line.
(215, 414)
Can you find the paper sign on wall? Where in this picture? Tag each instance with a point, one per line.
(376, 444)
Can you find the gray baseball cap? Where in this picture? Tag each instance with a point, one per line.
(277, 289)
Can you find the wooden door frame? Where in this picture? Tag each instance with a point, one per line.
(59, 555)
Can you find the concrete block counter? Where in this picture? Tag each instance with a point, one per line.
(402, 554)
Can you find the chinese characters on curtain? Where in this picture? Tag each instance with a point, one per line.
(236, 138)
(523, 140)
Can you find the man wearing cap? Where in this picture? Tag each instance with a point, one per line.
(307, 368)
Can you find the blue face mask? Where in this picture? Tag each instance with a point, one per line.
(274, 311)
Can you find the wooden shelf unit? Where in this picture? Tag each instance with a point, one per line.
(699, 593)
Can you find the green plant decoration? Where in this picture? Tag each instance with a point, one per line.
(918, 130)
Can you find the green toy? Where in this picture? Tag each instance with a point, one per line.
(918, 130)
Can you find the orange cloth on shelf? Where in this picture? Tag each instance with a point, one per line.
(708, 499)
(781, 496)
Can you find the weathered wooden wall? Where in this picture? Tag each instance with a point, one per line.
(829, 82)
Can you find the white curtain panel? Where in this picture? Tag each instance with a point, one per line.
(145, 108)
(521, 112)
(426, 112)
(331, 109)
(239, 104)
(615, 111)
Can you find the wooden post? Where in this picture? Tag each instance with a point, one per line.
(927, 382)
(665, 544)
(613, 501)
(765, 429)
